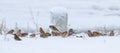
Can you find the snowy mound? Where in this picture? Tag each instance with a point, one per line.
(59, 18)
(59, 11)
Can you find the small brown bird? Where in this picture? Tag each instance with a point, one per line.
(24, 34)
(90, 34)
(42, 33)
(96, 33)
(32, 35)
(70, 32)
(111, 33)
(53, 28)
(18, 33)
(10, 32)
(55, 33)
(64, 34)
(16, 38)
(48, 34)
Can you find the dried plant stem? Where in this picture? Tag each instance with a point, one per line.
(35, 23)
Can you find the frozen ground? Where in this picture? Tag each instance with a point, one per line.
(82, 14)
(62, 45)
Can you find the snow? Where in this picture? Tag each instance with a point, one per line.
(62, 45)
(82, 15)
(59, 11)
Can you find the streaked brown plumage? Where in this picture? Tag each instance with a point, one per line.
(94, 34)
(53, 28)
(98, 34)
(55, 33)
(24, 34)
(64, 34)
(70, 32)
(111, 33)
(18, 33)
(42, 33)
(32, 35)
(48, 34)
(90, 34)
(16, 38)
(10, 32)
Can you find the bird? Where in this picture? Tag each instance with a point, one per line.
(16, 38)
(111, 33)
(32, 35)
(90, 34)
(48, 34)
(64, 34)
(42, 33)
(24, 34)
(18, 33)
(70, 32)
(53, 28)
(10, 32)
(96, 33)
(55, 33)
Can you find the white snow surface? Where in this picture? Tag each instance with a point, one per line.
(82, 15)
(61, 45)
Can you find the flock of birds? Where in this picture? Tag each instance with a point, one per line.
(54, 32)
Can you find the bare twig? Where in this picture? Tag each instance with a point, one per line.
(36, 23)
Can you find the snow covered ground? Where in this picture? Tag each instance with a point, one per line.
(82, 14)
(62, 45)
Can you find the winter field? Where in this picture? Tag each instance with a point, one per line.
(83, 15)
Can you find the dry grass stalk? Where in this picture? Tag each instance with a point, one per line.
(34, 22)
